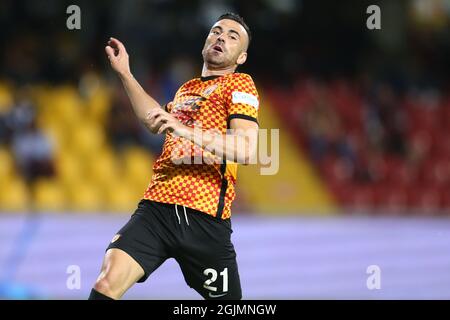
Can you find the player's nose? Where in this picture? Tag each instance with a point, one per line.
(221, 38)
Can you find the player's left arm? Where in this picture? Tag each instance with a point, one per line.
(238, 145)
(246, 134)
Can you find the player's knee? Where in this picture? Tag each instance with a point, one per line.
(106, 286)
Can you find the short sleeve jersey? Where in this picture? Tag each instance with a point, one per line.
(209, 103)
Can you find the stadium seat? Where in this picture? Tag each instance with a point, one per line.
(86, 197)
(102, 167)
(362, 198)
(69, 168)
(99, 104)
(391, 197)
(7, 167)
(121, 197)
(425, 199)
(87, 138)
(137, 166)
(48, 195)
(67, 104)
(6, 97)
(399, 179)
(436, 171)
(14, 195)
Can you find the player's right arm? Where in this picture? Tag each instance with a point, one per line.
(142, 103)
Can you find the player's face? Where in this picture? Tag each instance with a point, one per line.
(226, 44)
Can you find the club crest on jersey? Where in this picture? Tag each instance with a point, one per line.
(209, 90)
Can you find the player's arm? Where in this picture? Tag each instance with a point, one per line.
(238, 145)
(142, 103)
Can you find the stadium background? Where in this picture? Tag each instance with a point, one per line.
(364, 175)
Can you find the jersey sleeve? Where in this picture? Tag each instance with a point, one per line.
(241, 98)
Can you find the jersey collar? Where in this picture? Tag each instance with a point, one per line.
(203, 79)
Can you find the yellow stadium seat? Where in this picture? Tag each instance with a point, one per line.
(138, 167)
(42, 96)
(85, 197)
(68, 105)
(48, 195)
(7, 167)
(6, 97)
(70, 169)
(61, 104)
(120, 198)
(14, 196)
(102, 167)
(99, 104)
(87, 138)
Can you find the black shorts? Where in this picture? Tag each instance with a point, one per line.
(200, 243)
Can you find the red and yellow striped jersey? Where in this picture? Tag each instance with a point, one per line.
(209, 103)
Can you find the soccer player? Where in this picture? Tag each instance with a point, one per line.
(185, 213)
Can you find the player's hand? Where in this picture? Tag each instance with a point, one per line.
(160, 121)
(150, 120)
(118, 56)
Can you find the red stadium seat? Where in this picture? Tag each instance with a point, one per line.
(425, 199)
(390, 197)
(420, 179)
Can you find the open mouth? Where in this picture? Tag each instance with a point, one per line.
(218, 48)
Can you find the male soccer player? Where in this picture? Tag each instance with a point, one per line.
(185, 213)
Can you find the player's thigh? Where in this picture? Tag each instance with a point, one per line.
(143, 239)
(119, 271)
(134, 253)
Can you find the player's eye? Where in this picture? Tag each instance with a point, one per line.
(233, 37)
(215, 32)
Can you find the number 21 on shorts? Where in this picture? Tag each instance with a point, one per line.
(212, 277)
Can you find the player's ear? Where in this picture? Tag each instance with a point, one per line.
(242, 58)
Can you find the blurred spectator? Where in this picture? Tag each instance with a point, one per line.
(324, 130)
(124, 128)
(152, 142)
(122, 125)
(3, 128)
(180, 70)
(21, 116)
(386, 121)
(33, 153)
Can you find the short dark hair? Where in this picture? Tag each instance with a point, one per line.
(238, 19)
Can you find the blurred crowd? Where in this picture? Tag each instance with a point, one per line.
(31, 148)
(374, 147)
(371, 108)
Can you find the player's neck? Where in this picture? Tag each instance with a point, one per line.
(208, 71)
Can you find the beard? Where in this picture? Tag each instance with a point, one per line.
(214, 59)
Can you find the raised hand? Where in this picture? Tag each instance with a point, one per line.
(118, 56)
